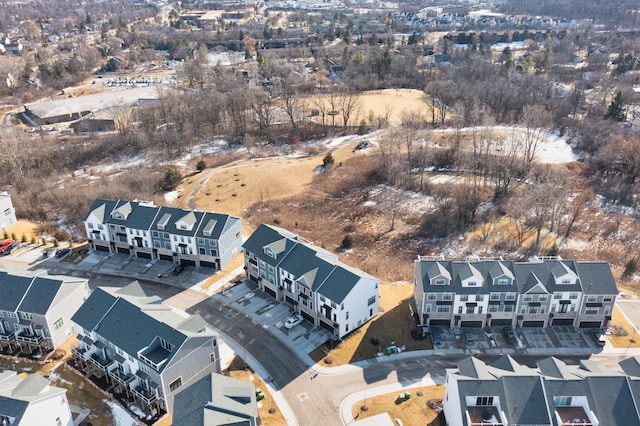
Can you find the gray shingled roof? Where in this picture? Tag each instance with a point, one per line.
(12, 289)
(215, 400)
(264, 236)
(39, 296)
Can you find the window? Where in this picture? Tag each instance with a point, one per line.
(439, 281)
(112, 227)
(214, 252)
(58, 421)
(10, 315)
(573, 296)
(607, 310)
(431, 296)
(484, 400)
(533, 309)
(447, 296)
(591, 311)
(100, 227)
(527, 298)
(479, 297)
(371, 300)
(444, 308)
(202, 251)
(510, 296)
(322, 299)
(493, 308)
(473, 283)
(508, 308)
(459, 309)
(543, 298)
(201, 241)
(346, 315)
(557, 296)
(237, 235)
(592, 299)
(562, 400)
(427, 308)
(175, 384)
(479, 309)
(212, 358)
(342, 306)
(523, 310)
(90, 225)
(543, 309)
(168, 346)
(503, 281)
(464, 298)
(471, 309)
(333, 305)
(26, 316)
(607, 298)
(494, 296)
(553, 308)
(58, 324)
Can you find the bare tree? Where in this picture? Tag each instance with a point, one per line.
(535, 119)
(350, 104)
(11, 158)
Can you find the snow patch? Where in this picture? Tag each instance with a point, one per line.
(121, 417)
(171, 196)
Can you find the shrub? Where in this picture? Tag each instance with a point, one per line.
(328, 160)
(24, 238)
(363, 128)
(347, 242)
(14, 237)
(56, 243)
(171, 179)
(201, 165)
(6, 235)
(34, 241)
(630, 268)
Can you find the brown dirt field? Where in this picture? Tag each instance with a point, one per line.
(398, 101)
(23, 227)
(414, 411)
(630, 340)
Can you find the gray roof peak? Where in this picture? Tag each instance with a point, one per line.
(309, 277)
(32, 385)
(277, 247)
(437, 269)
(132, 289)
(124, 210)
(98, 213)
(498, 269)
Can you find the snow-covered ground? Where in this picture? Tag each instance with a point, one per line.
(121, 417)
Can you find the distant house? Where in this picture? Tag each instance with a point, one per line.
(322, 289)
(216, 400)
(36, 310)
(15, 48)
(553, 394)
(146, 349)
(32, 400)
(7, 212)
(144, 230)
(538, 293)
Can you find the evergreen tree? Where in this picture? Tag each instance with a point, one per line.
(616, 110)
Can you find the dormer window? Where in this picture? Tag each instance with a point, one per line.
(164, 221)
(473, 283)
(118, 216)
(565, 281)
(503, 281)
(168, 346)
(439, 281)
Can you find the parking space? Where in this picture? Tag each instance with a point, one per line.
(272, 314)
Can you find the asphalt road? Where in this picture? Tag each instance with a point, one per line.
(311, 398)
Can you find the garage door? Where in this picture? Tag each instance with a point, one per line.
(123, 250)
(166, 257)
(144, 255)
(562, 321)
(505, 321)
(590, 324)
(533, 323)
(208, 265)
(102, 248)
(290, 299)
(440, 322)
(269, 291)
(252, 278)
(307, 316)
(327, 326)
(473, 324)
(187, 262)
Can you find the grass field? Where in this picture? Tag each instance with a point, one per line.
(414, 411)
(628, 340)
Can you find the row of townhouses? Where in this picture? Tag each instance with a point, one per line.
(323, 290)
(553, 394)
(146, 349)
(144, 230)
(36, 310)
(537, 293)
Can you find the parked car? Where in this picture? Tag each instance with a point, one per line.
(598, 337)
(436, 336)
(293, 320)
(467, 336)
(4, 245)
(48, 252)
(8, 249)
(178, 269)
(63, 252)
(509, 334)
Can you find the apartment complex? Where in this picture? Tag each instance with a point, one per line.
(144, 230)
(537, 293)
(145, 348)
(322, 289)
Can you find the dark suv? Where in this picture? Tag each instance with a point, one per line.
(509, 334)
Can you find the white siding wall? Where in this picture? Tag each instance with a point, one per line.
(45, 412)
(356, 305)
(451, 406)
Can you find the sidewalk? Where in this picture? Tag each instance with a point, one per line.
(304, 338)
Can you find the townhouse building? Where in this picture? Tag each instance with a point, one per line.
(216, 400)
(322, 289)
(537, 293)
(36, 310)
(7, 212)
(32, 400)
(147, 350)
(144, 230)
(552, 394)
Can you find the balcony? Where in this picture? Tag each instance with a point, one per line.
(100, 362)
(573, 416)
(484, 416)
(121, 377)
(7, 337)
(146, 395)
(29, 338)
(81, 353)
